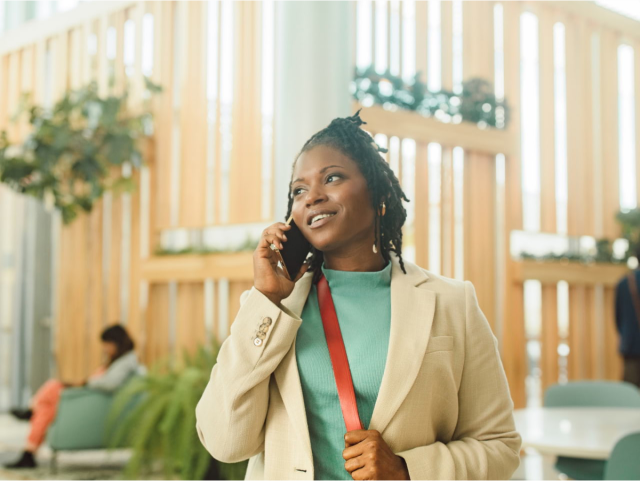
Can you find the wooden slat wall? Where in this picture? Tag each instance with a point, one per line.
(91, 256)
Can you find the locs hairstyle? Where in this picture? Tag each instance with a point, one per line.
(345, 135)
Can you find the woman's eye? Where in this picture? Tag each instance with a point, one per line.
(295, 191)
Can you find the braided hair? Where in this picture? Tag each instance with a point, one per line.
(345, 135)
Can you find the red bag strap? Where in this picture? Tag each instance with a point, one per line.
(634, 294)
(338, 354)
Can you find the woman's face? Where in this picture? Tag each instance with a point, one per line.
(109, 349)
(327, 180)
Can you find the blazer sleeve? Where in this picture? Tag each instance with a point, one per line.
(485, 443)
(231, 414)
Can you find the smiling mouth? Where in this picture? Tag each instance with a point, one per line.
(321, 222)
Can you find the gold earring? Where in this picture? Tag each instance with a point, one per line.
(384, 209)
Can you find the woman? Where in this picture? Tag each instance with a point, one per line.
(121, 362)
(429, 384)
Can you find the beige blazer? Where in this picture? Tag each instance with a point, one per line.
(444, 403)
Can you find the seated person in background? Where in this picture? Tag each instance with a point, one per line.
(121, 362)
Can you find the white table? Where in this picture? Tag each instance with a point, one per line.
(577, 432)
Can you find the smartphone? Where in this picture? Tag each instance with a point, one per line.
(294, 251)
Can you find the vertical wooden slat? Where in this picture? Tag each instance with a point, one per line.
(61, 69)
(400, 37)
(549, 337)
(102, 73)
(191, 331)
(136, 80)
(14, 80)
(594, 316)
(422, 31)
(549, 333)
(447, 220)
(164, 55)
(513, 333)
(95, 285)
(609, 112)
(4, 91)
(193, 120)
(26, 88)
(477, 18)
(421, 223)
(86, 30)
(447, 44)
(236, 288)
(578, 195)
(134, 313)
(388, 7)
(157, 324)
(218, 116)
(612, 360)
(578, 328)
(547, 126)
(75, 58)
(610, 180)
(115, 251)
(63, 321)
(245, 177)
(118, 21)
(38, 73)
(480, 228)
(585, 33)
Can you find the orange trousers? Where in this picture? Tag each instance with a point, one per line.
(44, 407)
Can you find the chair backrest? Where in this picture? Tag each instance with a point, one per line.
(614, 394)
(623, 462)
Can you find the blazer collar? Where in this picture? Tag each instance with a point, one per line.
(412, 312)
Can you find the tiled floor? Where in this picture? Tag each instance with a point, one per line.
(105, 465)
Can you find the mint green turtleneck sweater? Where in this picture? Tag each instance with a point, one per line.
(363, 305)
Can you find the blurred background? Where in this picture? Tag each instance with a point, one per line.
(147, 144)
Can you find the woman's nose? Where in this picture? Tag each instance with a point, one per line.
(314, 196)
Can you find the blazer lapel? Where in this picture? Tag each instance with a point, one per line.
(287, 375)
(412, 311)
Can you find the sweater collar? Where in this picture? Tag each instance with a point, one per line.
(366, 280)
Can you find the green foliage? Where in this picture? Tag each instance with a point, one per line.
(476, 103)
(161, 427)
(630, 223)
(68, 159)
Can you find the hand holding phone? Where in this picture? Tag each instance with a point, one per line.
(270, 278)
(295, 250)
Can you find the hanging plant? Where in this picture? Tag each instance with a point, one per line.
(76, 150)
(476, 103)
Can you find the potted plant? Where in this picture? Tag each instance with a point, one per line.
(161, 427)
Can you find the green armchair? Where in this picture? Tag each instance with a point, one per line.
(81, 421)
